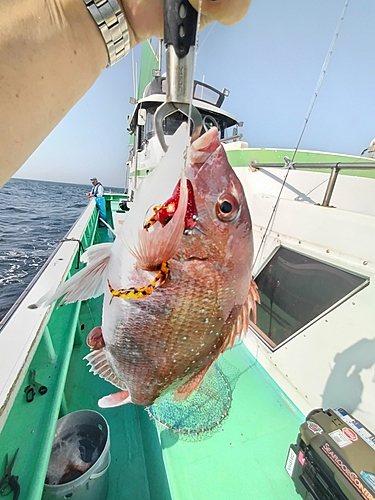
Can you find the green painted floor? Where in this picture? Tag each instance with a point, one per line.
(243, 459)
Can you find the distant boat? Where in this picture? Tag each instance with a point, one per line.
(313, 345)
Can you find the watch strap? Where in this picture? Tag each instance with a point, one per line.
(112, 24)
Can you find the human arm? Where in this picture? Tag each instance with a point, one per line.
(51, 53)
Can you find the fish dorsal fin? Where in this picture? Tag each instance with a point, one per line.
(99, 366)
(253, 299)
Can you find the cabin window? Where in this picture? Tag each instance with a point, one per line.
(172, 122)
(295, 290)
(150, 124)
(206, 94)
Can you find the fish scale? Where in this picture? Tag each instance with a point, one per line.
(167, 340)
(159, 361)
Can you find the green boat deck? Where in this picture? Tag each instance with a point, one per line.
(246, 454)
(243, 458)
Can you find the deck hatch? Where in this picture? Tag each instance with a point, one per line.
(295, 290)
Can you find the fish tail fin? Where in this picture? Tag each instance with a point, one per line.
(203, 147)
(116, 399)
(161, 244)
(88, 282)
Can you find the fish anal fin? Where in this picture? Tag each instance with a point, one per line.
(184, 391)
(98, 362)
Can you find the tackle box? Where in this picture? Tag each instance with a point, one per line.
(334, 458)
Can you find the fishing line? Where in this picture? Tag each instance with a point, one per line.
(323, 72)
(322, 75)
(207, 36)
(152, 50)
(195, 62)
(133, 75)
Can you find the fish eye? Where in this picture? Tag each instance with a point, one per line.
(227, 208)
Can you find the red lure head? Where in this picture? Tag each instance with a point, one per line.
(166, 212)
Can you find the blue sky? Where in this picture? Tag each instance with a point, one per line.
(270, 62)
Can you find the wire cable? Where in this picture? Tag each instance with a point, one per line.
(322, 75)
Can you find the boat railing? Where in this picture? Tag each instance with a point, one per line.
(334, 167)
(236, 137)
(51, 257)
(201, 91)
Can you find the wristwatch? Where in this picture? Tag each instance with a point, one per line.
(111, 21)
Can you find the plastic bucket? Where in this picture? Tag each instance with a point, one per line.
(80, 457)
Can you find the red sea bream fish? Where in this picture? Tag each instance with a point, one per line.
(191, 264)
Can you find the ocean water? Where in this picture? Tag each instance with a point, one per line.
(34, 217)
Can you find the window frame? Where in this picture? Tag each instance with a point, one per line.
(271, 344)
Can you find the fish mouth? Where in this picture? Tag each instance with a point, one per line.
(165, 212)
(194, 230)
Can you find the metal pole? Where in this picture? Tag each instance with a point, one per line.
(160, 52)
(331, 184)
(319, 166)
(135, 153)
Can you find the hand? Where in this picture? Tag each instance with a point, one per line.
(145, 22)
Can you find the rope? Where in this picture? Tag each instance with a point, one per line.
(322, 75)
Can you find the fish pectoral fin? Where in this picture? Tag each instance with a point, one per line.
(99, 366)
(116, 399)
(161, 244)
(184, 391)
(142, 292)
(153, 219)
